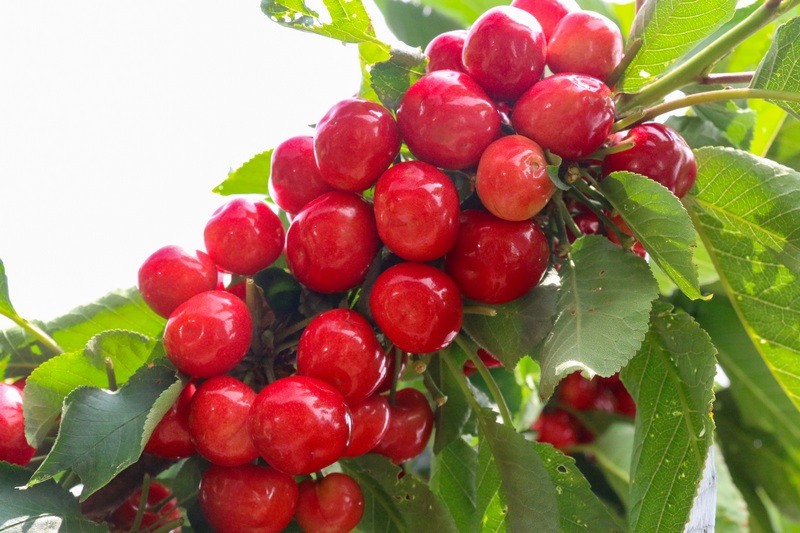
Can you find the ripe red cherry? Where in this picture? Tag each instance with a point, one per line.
(495, 261)
(512, 180)
(585, 42)
(171, 438)
(247, 498)
(410, 427)
(332, 242)
(660, 153)
(208, 334)
(618, 221)
(299, 424)
(417, 306)
(333, 505)
(391, 356)
(244, 236)
(172, 275)
(354, 143)
(559, 428)
(547, 12)
(588, 223)
(488, 359)
(14, 448)
(370, 423)
(339, 347)
(447, 120)
(416, 211)
(569, 114)
(577, 391)
(505, 52)
(294, 178)
(444, 51)
(161, 508)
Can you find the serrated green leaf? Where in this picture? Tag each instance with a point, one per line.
(44, 508)
(735, 123)
(6, 308)
(453, 479)
(391, 79)
(250, 178)
(103, 432)
(667, 29)
(746, 212)
(698, 132)
(780, 68)
(463, 11)
(671, 380)
(660, 222)
(603, 312)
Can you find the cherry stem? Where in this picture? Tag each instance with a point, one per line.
(112, 378)
(566, 218)
(398, 362)
(625, 240)
(438, 396)
(137, 521)
(169, 526)
(38, 333)
(727, 78)
(67, 480)
(630, 53)
(255, 312)
(291, 330)
(491, 384)
(600, 153)
(482, 310)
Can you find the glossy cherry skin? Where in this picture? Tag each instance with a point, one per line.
(417, 306)
(171, 438)
(444, 51)
(447, 120)
(208, 334)
(300, 424)
(547, 12)
(496, 261)
(354, 143)
(660, 153)
(125, 515)
(333, 505)
(391, 357)
(340, 347)
(585, 42)
(505, 52)
(559, 428)
(569, 114)
(294, 178)
(410, 427)
(172, 275)
(512, 180)
(244, 236)
(14, 448)
(332, 242)
(488, 359)
(247, 499)
(370, 423)
(416, 211)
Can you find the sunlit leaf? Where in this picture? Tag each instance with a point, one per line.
(250, 178)
(780, 68)
(453, 479)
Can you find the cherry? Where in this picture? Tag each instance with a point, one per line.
(208, 334)
(247, 498)
(512, 180)
(577, 391)
(585, 42)
(172, 275)
(416, 211)
(333, 505)
(547, 12)
(569, 114)
(171, 438)
(588, 223)
(386, 384)
(488, 359)
(505, 52)
(370, 423)
(410, 427)
(294, 178)
(444, 51)
(161, 507)
(14, 448)
(659, 153)
(638, 248)
(447, 120)
(354, 143)
(332, 242)
(417, 306)
(559, 428)
(495, 261)
(244, 236)
(339, 347)
(299, 424)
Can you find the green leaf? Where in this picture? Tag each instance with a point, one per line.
(604, 289)
(735, 123)
(103, 432)
(45, 508)
(660, 222)
(613, 449)
(452, 417)
(746, 212)
(5, 301)
(391, 79)
(698, 132)
(463, 11)
(780, 68)
(453, 479)
(786, 146)
(668, 29)
(732, 516)
(671, 380)
(413, 23)
(250, 178)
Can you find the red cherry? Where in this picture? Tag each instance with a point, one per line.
(332, 242)
(410, 427)
(171, 438)
(547, 12)
(247, 498)
(386, 384)
(577, 391)
(512, 180)
(354, 143)
(300, 424)
(416, 211)
(14, 448)
(444, 51)
(447, 120)
(209, 334)
(161, 508)
(559, 428)
(370, 423)
(618, 221)
(333, 505)
(339, 347)
(588, 223)
(294, 178)
(172, 275)
(585, 42)
(417, 306)
(488, 359)
(505, 52)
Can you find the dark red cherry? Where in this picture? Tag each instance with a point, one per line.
(410, 427)
(577, 392)
(161, 507)
(444, 51)
(391, 357)
(488, 359)
(294, 178)
(547, 12)
(370, 423)
(559, 428)
(172, 275)
(585, 42)
(171, 438)
(334, 504)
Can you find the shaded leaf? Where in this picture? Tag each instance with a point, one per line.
(463, 11)
(452, 417)
(390, 79)
(250, 178)
(413, 23)
(786, 147)
(780, 68)
(735, 123)
(613, 449)
(732, 516)
(698, 132)
(453, 479)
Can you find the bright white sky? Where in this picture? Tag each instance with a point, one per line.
(118, 118)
